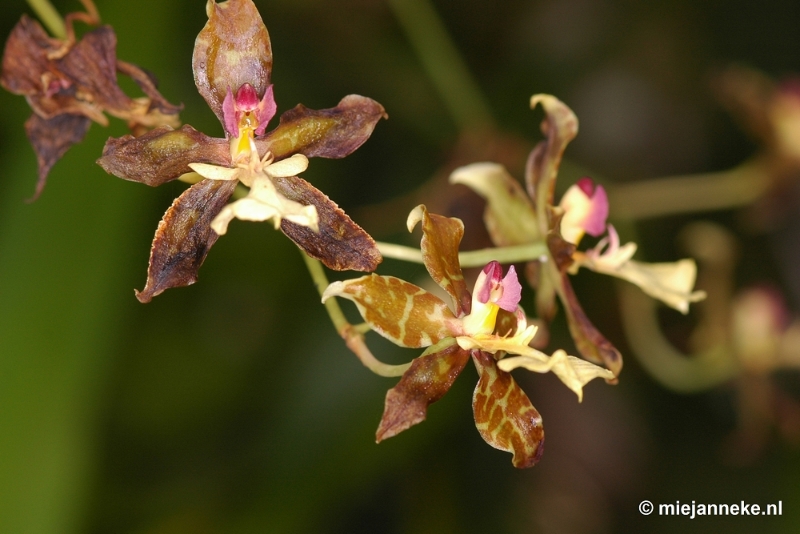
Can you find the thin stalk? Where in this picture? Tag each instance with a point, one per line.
(693, 193)
(50, 17)
(471, 258)
(353, 335)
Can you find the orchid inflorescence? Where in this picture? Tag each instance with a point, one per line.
(70, 82)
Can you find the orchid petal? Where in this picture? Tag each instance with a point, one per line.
(263, 203)
(440, 239)
(162, 154)
(184, 237)
(326, 133)
(215, 172)
(403, 313)
(512, 291)
(288, 167)
(509, 215)
(232, 49)
(560, 125)
(504, 416)
(426, 381)
(573, 372)
(340, 243)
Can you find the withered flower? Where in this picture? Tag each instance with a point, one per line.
(488, 326)
(69, 83)
(232, 64)
(514, 218)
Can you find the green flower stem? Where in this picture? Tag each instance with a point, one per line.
(691, 193)
(442, 62)
(471, 258)
(353, 335)
(49, 17)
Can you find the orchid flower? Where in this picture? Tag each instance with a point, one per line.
(232, 64)
(70, 83)
(488, 325)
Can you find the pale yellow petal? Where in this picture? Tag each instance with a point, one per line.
(573, 372)
(214, 172)
(288, 167)
(671, 282)
(509, 216)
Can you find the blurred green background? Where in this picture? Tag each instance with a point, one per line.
(232, 406)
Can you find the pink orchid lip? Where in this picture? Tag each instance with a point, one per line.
(586, 185)
(512, 291)
(246, 103)
(595, 223)
(492, 274)
(490, 278)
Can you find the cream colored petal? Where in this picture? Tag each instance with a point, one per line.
(264, 203)
(573, 372)
(214, 172)
(288, 167)
(221, 221)
(509, 216)
(670, 282)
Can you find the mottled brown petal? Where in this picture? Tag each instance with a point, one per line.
(560, 126)
(25, 57)
(426, 381)
(51, 138)
(401, 312)
(440, 239)
(340, 243)
(326, 133)
(232, 49)
(590, 342)
(184, 237)
(504, 415)
(162, 154)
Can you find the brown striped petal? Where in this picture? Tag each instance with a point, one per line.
(326, 133)
(340, 243)
(440, 239)
(232, 49)
(401, 312)
(426, 381)
(162, 154)
(184, 237)
(504, 415)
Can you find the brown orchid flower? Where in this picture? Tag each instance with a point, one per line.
(488, 325)
(232, 64)
(69, 83)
